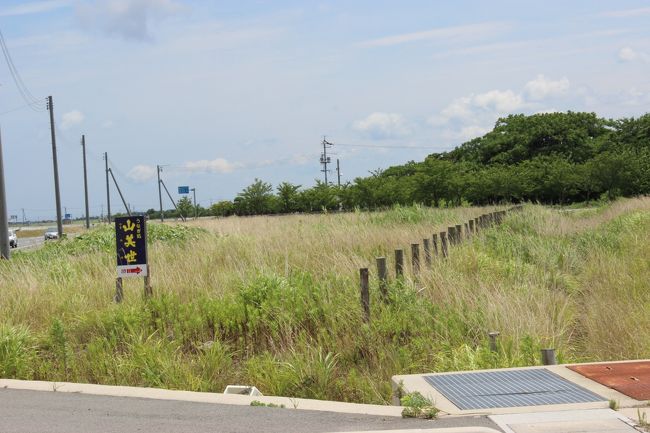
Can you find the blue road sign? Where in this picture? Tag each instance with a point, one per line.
(68, 216)
(183, 189)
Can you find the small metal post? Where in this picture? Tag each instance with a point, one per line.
(382, 272)
(493, 340)
(399, 263)
(548, 357)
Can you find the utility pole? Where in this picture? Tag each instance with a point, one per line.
(23, 209)
(59, 222)
(162, 217)
(108, 191)
(4, 223)
(196, 211)
(338, 171)
(324, 159)
(83, 146)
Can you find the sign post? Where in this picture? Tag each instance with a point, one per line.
(131, 249)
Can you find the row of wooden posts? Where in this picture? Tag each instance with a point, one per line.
(436, 246)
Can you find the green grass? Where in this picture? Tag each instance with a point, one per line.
(274, 301)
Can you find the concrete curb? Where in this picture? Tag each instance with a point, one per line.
(436, 430)
(201, 397)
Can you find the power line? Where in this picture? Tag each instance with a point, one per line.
(386, 146)
(15, 109)
(34, 103)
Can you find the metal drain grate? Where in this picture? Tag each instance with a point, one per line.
(509, 388)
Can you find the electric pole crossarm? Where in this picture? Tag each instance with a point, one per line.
(172, 200)
(126, 206)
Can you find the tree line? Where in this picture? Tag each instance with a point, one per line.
(550, 158)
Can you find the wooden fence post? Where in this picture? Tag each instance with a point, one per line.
(427, 252)
(415, 258)
(399, 263)
(471, 226)
(467, 233)
(365, 294)
(459, 233)
(434, 238)
(382, 271)
(443, 244)
(451, 232)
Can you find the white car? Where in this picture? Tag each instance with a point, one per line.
(13, 239)
(52, 233)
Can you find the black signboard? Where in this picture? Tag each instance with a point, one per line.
(131, 243)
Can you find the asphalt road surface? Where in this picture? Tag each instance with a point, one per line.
(57, 412)
(30, 243)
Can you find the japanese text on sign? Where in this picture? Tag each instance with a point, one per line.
(131, 246)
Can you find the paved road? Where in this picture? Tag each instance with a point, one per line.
(56, 412)
(30, 243)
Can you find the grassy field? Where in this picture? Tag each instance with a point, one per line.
(274, 301)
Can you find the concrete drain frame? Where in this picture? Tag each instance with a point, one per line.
(601, 394)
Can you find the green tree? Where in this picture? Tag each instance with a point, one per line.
(222, 208)
(288, 197)
(185, 207)
(256, 199)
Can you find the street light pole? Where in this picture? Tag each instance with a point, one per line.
(196, 210)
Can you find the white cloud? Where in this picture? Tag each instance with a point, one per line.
(142, 173)
(466, 133)
(499, 101)
(130, 19)
(493, 103)
(542, 87)
(627, 54)
(218, 165)
(71, 118)
(548, 111)
(381, 126)
(472, 31)
(35, 7)
(474, 115)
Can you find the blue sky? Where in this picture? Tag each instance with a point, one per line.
(224, 92)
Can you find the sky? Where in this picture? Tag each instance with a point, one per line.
(222, 92)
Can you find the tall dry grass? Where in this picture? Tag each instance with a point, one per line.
(273, 301)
